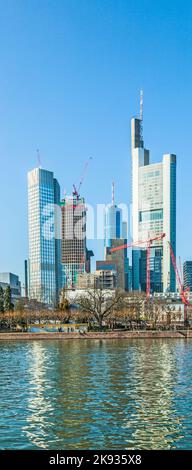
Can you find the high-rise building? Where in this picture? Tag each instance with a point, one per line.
(122, 261)
(116, 261)
(89, 254)
(11, 280)
(74, 252)
(153, 213)
(112, 222)
(26, 278)
(44, 236)
(115, 234)
(187, 275)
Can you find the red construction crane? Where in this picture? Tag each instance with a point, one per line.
(75, 189)
(182, 291)
(148, 245)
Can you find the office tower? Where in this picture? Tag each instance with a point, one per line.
(187, 275)
(11, 280)
(44, 236)
(124, 230)
(116, 261)
(121, 260)
(112, 222)
(115, 235)
(58, 234)
(89, 254)
(129, 278)
(153, 213)
(74, 252)
(26, 278)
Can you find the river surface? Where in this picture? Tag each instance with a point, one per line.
(96, 394)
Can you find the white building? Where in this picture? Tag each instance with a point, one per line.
(153, 213)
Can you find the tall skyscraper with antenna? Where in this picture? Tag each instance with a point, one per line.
(115, 235)
(153, 211)
(112, 221)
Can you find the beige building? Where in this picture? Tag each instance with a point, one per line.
(103, 279)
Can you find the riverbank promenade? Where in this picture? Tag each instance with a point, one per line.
(97, 335)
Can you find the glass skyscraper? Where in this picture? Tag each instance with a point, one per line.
(115, 234)
(44, 236)
(187, 275)
(153, 213)
(113, 224)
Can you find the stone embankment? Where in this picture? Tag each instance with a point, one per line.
(97, 335)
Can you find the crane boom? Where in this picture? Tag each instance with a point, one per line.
(75, 189)
(147, 244)
(138, 243)
(84, 173)
(175, 266)
(182, 291)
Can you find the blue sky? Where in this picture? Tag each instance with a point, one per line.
(70, 76)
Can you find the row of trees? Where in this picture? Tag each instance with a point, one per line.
(6, 304)
(97, 308)
(23, 318)
(128, 309)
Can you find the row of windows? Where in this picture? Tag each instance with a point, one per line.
(150, 215)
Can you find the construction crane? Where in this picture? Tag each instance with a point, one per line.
(76, 190)
(148, 244)
(183, 292)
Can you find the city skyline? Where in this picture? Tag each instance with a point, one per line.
(54, 102)
(95, 252)
(108, 207)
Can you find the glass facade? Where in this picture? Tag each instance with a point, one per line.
(112, 224)
(153, 213)
(12, 280)
(156, 280)
(44, 247)
(187, 275)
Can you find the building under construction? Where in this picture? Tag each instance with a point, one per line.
(74, 252)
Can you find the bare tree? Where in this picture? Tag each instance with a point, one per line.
(99, 303)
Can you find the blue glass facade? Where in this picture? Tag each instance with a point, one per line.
(112, 224)
(44, 243)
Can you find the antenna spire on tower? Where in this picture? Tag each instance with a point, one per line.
(38, 158)
(113, 193)
(141, 116)
(141, 104)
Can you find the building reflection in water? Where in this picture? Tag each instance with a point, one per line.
(40, 406)
(90, 394)
(151, 406)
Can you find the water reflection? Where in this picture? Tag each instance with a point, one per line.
(39, 404)
(96, 394)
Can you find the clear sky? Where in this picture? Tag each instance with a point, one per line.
(70, 76)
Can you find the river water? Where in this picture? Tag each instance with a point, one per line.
(96, 394)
